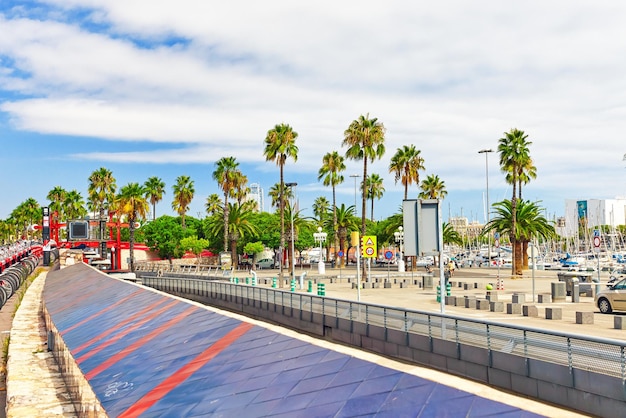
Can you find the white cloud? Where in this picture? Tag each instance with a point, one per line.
(212, 78)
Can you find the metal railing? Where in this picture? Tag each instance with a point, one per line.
(599, 355)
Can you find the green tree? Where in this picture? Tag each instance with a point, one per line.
(183, 195)
(451, 235)
(240, 225)
(227, 176)
(280, 144)
(405, 165)
(365, 139)
(274, 194)
(321, 207)
(212, 204)
(102, 188)
(154, 190)
(132, 203)
(374, 189)
(74, 205)
(346, 221)
(514, 155)
(56, 196)
(163, 236)
(195, 245)
(433, 188)
(333, 165)
(530, 223)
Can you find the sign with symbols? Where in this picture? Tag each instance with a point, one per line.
(497, 243)
(340, 254)
(388, 255)
(368, 246)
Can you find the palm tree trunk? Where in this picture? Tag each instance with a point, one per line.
(282, 226)
(131, 243)
(225, 221)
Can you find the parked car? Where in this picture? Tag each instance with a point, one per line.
(613, 298)
(266, 263)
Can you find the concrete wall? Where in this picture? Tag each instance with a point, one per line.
(585, 391)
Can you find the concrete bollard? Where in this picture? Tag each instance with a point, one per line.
(544, 298)
(530, 311)
(514, 308)
(467, 286)
(584, 317)
(482, 304)
(558, 291)
(496, 306)
(518, 298)
(450, 300)
(554, 313)
(470, 301)
(492, 295)
(619, 322)
(387, 285)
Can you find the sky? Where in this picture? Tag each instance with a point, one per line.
(162, 88)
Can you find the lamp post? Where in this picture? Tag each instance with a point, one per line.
(320, 237)
(399, 236)
(486, 152)
(293, 237)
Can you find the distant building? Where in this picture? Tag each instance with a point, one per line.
(256, 195)
(589, 214)
(466, 229)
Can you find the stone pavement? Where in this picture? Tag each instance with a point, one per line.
(413, 297)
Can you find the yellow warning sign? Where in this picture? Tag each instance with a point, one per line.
(368, 246)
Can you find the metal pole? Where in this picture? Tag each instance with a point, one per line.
(293, 253)
(486, 152)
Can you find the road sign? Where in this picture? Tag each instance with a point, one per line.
(497, 243)
(340, 254)
(596, 242)
(388, 255)
(368, 246)
(496, 235)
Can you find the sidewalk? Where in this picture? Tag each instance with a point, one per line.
(413, 297)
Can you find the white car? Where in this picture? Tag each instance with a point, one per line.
(266, 263)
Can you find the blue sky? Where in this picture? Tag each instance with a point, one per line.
(160, 88)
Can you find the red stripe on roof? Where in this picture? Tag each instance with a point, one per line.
(185, 372)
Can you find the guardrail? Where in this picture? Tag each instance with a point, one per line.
(593, 354)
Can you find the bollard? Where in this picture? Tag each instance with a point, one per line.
(247, 280)
(448, 289)
(236, 280)
(310, 286)
(321, 289)
(438, 294)
(293, 285)
(254, 281)
(274, 282)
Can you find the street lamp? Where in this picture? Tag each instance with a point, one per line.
(399, 236)
(486, 152)
(320, 237)
(293, 237)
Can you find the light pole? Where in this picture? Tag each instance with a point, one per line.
(399, 236)
(320, 237)
(293, 238)
(486, 152)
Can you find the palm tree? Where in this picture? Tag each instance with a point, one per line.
(56, 197)
(346, 221)
(154, 189)
(405, 164)
(240, 225)
(365, 139)
(433, 188)
(102, 188)
(241, 189)
(213, 204)
(374, 190)
(321, 207)
(226, 175)
(514, 154)
(274, 193)
(451, 235)
(530, 223)
(333, 164)
(131, 201)
(183, 195)
(74, 205)
(280, 144)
